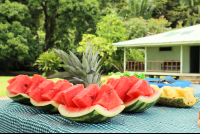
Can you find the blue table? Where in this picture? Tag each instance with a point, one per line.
(15, 117)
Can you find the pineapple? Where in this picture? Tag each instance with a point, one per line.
(77, 72)
(187, 94)
(169, 91)
(192, 90)
(177, 97)
(154, 86)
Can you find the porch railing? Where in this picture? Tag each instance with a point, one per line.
(135, 65)
(154, 66)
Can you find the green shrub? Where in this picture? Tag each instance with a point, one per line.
(48, 62)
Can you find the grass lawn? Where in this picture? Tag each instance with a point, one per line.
(4, 84)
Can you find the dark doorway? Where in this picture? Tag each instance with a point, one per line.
(194, 59)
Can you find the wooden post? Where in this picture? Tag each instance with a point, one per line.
(181, 59)
(145, 64)
(131, 65)
(124, 59)
(134, 65)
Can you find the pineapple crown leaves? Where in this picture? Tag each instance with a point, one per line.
(64, 56)
(75, 60)
(85, 64)
(85, 72)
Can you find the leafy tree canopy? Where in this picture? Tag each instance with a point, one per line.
(17, 43)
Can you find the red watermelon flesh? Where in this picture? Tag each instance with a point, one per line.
(115, 83)
(58, 97)
(12, 80)
(70, 93)
(87, 96)
(46, 86)
(59, 86)
(67, 82)
(110, 80)
(153, 89)
(132, 77)
(123, 87)
(57, 82)
(36, 95)
(19, 85)
(129, 99)
(135, 93)
(42, 88)
(140, 88)
(133, 80)
(36, 80)
(107, 97)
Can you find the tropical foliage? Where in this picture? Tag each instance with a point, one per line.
(109, 30)
(48, 63)
(138, 8)
(29, 28)
(17, 43)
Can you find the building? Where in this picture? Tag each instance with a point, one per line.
(174, 53)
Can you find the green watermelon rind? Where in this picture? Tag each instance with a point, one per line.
(179, 102)
(93, 114)
(46, 106)
(142, 103)
(20, 98)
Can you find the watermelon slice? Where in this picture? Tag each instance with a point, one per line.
(46, 102)
(107, 97)
(140, 88)
(140, 97)
(36, 80)
(136, 94)
(12, 80)
(93, 114)
(42, 88)
(87, 96)
(115, 83)
(106, 105)
(19, 85)
(59, 85)
(70, 93)
(110, 80)
(16, 89)
(123, 87)
(133, 80)
(141, 103)
(58, 96)
(46, 106)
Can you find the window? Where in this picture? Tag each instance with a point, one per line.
(165, 49)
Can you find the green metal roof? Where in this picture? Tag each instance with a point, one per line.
(184, 36)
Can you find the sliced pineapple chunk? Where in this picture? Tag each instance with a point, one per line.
(104, 80)
(192, 90)
(114, 76)
(187, 94)
(169, 91)
(155, 87)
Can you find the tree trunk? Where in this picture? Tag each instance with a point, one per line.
(50, 24)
